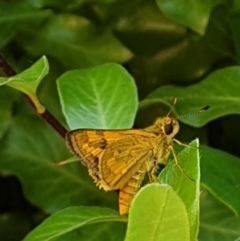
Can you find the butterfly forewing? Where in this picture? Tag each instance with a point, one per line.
(112, 156)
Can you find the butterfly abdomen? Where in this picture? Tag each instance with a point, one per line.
(127, 193)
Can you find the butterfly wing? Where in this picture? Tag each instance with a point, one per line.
(124, 157)
(112, 156)
(89, 145)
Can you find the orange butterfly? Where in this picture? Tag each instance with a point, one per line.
(119, 159)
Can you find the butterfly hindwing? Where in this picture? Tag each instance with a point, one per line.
(119, 162)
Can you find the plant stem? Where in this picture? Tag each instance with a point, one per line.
(46, 115)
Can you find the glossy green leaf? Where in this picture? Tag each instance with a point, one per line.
(8, 97)
(62, 4)
(29, 80)
(193, 14)
(220, 175)
(111, 231)
(103, 97)
(219, 90)
(157, 213)
(185, 181)
(70, 219)
(30, 151)
(218, 31)
(145, 25)
(15, 16)
(217, 221)
(74, 41)
(235, 18)
(237, 4)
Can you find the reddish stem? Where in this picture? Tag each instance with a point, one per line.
(47, 116)
(6, 68)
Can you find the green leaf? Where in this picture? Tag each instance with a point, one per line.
(157, 213)
(111, 231)
(8, 97)
(74, 41)
(193, 14)
(178, 177)
(218, 31)
(30, 78)
(235, 18)
(237, 4)
(219, 90)
(63, 4)
(30, 151)
(220, 175)
(16, 16)
(103, 97)
(144, 25)
(217, 221)
(70, 219)
(28, 81)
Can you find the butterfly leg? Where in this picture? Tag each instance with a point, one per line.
(176, 163)
(152, 167)
(127, 193)
(182, 144)
(152, 176)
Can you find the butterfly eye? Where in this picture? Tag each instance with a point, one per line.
(168, 129)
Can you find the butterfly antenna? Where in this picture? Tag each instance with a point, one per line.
(194, 112)
(174, 103)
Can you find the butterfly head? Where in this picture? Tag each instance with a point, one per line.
(168, 126)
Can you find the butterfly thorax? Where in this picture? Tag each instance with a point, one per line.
(164, 129)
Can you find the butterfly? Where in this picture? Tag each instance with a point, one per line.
(120, 159)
